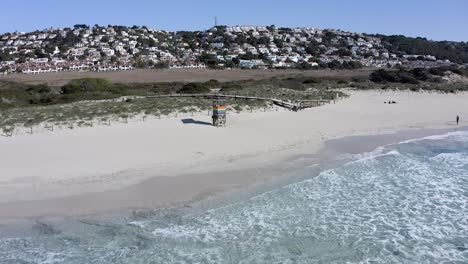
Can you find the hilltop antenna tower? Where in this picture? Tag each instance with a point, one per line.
(216, 21)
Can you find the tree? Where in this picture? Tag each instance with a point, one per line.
(304, 66)
(161, 65)
(329, 35)
(105, 39)
(323, 64)
(141, 64)
(343, 52)
(313, 49)
(49, 49)
(285, 29)
(279, 43)
(71, 39)
(39, 53)
(209, 60)
(335, 65)
(346, 65)
(21, 59)
(78, 26)
(248, 56)
(4, 56)
(236, 60)
(355, 64)
(263, 41)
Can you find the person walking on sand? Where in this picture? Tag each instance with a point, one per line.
(458, 119)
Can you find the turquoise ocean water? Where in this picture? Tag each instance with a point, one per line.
(401, 203)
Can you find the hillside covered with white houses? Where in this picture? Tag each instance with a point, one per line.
(113, 48)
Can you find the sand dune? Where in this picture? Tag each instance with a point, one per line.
(66, 163)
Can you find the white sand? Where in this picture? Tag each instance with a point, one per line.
(71, 162)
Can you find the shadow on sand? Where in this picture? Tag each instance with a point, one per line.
(195, 122)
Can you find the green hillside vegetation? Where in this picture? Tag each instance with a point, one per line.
(441, 79)
(414, 76)
(19, 95)
(454, 51)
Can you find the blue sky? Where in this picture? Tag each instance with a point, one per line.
(433, 19)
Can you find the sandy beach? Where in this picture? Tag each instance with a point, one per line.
(166, 162)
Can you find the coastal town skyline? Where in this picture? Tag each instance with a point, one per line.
(413, 19)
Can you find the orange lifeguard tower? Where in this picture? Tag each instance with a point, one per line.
(219, 113)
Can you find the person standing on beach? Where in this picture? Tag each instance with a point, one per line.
(458, 119)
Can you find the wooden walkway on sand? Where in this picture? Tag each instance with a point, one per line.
(295, 106)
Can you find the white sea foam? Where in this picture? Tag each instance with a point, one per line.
(461, 136)
(396, 206)
(452, 159)
(371, 154)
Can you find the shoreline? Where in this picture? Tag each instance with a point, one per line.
(290, 168)
(252, 161)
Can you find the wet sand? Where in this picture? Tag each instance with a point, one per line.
(211, 189)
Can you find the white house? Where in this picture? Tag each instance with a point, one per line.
(217, 45)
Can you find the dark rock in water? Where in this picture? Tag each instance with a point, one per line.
(44, 229)
(461, 248)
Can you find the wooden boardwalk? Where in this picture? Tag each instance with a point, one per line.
(295, 106)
